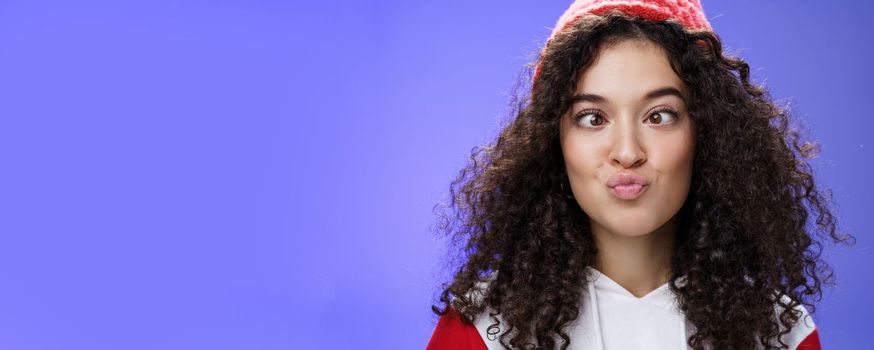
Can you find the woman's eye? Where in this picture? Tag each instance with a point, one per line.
(591, 120)
(662, 117)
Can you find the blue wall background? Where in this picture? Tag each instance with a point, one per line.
(260, 174)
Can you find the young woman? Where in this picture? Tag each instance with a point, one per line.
(646, 195)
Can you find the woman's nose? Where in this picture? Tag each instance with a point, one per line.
(626, 149)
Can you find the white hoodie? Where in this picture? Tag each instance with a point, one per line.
(616, 319)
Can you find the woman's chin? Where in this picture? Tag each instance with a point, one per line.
(633, 231)
(632, 227)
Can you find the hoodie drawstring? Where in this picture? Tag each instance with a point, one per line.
(596, 320)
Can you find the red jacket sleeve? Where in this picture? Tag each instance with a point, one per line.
(811, 342)
(452, 333)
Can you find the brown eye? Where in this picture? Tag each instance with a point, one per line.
(662, 117)
(590, 120)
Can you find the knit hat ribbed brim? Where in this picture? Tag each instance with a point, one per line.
(688, 13)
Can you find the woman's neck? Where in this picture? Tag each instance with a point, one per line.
(639, 264)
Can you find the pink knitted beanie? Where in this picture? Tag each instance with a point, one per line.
(687, 12)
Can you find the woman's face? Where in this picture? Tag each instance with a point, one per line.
(628, 141)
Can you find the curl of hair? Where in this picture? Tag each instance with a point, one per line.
(744, 243)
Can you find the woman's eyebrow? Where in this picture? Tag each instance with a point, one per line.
(664, 91)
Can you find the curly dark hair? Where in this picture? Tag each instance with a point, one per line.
(744, 242)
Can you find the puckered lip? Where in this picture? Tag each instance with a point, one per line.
(626, 178)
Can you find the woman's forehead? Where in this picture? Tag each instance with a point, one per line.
(629, 69)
